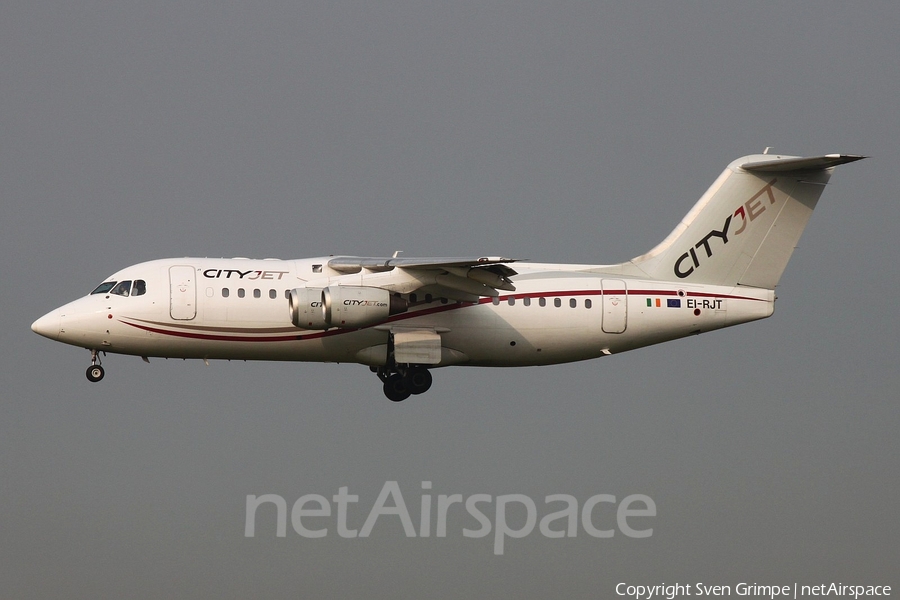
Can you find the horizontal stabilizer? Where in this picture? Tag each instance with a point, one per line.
(796, 163)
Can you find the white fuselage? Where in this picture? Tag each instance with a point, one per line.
(238, 309)
(402, 316)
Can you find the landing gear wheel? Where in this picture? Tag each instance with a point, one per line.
(395, 388)
(418, 380)
(95, 373)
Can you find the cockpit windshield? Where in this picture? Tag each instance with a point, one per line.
(122, 288)
(104, 287)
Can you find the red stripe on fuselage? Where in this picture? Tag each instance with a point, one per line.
(218, 336)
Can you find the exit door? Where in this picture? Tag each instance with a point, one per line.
(615, 306)
(182, 293)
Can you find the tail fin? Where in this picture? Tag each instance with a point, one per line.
(745, 227)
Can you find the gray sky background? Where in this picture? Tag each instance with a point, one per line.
(569, 132)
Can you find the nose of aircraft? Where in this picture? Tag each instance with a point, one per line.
(48, 325)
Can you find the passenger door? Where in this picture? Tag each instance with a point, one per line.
(182, 293)
(615, 306)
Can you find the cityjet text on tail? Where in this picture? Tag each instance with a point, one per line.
(403, 317)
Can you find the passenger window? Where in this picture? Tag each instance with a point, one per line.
(273, 294)
(587, 303)
(257, 294)
(104, 287)
(140, 287)
(287, 294)
(241, 293)
(225, 292)
(542, 302)
(512, 301)
(496, 300)
(526, 301)
(573, 302)
(557, 302)
(122, 289)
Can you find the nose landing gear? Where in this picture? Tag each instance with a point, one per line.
(95, 372)
(403, 382)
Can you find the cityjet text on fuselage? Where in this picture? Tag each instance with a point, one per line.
(250, 275)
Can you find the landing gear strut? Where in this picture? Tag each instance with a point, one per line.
(402, 382)
(95, 372)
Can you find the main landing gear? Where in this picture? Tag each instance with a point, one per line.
(402, 382)
(95, 372)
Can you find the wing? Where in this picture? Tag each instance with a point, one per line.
(464, 278)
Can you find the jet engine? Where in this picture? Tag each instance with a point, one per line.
(306, 308)
(343, 306)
